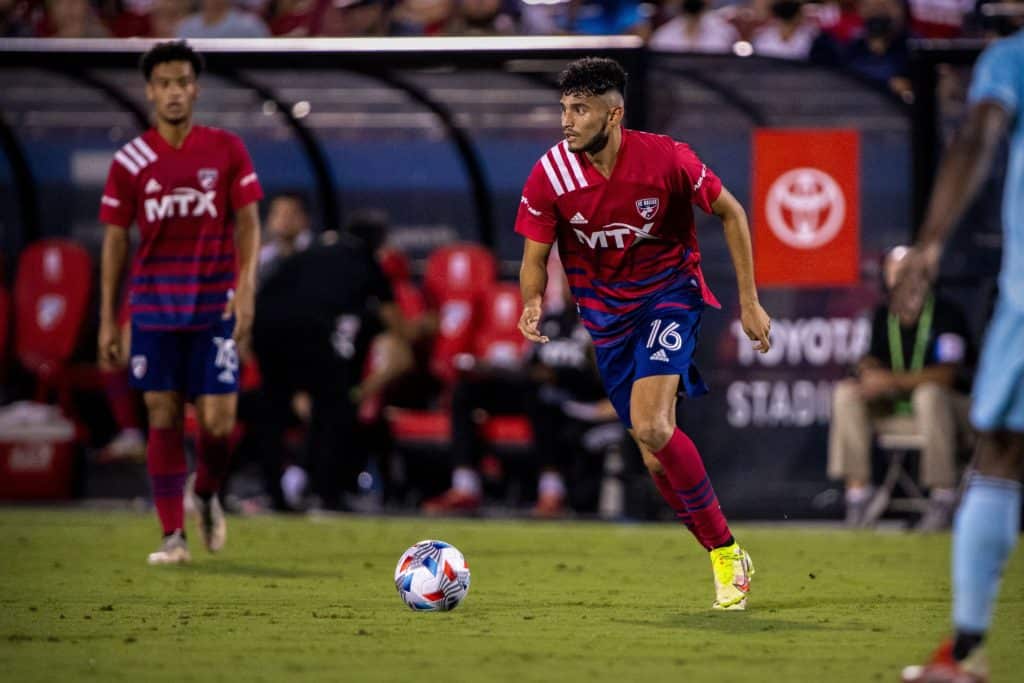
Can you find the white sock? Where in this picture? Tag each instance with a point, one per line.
(551, 484)
(858, 494)
(466, 480)
(944, 495)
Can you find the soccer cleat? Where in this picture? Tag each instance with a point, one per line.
(452, 500)
(173, 551)
(129, 444)
(732, 569)
(213, 527)
(943, 668)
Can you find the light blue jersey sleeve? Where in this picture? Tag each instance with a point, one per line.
(997, 76)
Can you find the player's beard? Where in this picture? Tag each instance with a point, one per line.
(598, 142)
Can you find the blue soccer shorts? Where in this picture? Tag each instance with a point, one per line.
(997, 401)
(663, 343)
(191, 362)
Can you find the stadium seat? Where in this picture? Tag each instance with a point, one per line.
(897, 438)
(51, 299)
(408, 297)
(5, 325)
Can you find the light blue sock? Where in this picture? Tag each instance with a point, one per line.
(984, 535)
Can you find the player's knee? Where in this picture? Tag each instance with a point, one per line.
(651, 463)
(163, 413)
(218, 423)
(1001, 454)
(653, 433)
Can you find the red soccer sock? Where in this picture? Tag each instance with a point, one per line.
(165, 459)
(685, 471)
(121, 399)
(213, 453)
(676, 503)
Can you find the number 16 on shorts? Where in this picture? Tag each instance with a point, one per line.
(665, 336)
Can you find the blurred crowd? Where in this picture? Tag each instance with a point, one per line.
(867, 37)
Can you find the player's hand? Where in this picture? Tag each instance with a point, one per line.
(242, 307)
(756, 325)
(109, 344)
(916, 272)
(529, 323)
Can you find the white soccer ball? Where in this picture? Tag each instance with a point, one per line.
(432, 576)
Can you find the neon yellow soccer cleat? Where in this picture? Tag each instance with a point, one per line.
(732, 569)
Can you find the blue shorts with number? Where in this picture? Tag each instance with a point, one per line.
(997, 402)
(662, 343)
(191, 362)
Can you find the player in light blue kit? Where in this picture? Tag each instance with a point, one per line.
(987, 524)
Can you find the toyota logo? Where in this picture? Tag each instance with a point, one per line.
(805, 208)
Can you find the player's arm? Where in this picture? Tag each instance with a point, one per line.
(112, 261)
(247, 244)
(964, 168)
(755, 321)
(533, 280)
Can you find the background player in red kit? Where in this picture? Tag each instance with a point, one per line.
(193, 193)
(619, 203)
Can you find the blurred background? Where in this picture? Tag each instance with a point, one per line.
(413, 125)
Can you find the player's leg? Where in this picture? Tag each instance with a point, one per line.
(165, 460)
(156, 367)
(213, 381)
(664, 486)
(987, 524)
(652, 411)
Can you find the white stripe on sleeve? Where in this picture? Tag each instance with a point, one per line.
(566, 178)
(137, 157)
(581, 179)
(551, 175)
(146, 150)
(122, 158)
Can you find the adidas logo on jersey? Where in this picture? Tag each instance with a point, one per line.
(660, 355)
(578, 219)
(153, 186)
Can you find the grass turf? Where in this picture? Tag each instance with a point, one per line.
(298, 599)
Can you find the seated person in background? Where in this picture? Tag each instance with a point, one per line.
(914, 368)
(556, 385)
(315, 317)
(288, 230)
(221, 19)
(788, 34)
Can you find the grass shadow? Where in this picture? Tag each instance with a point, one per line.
(259, 571)
(738, 622)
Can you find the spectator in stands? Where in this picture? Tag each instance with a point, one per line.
(288, 231)
(71, 19)
(840, 21)
(166, 16)
(14, 21)
(696, 29)
(421, 17)
(315, 318)
(292, 18)
(587, 17)
(939, 18)
(481, 18)
(348, 18)
(127, 19)
(788, 34)
(915, 368)
(880, 54)
(220, 19)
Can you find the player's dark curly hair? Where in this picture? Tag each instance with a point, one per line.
(170, 51)
(592, 76)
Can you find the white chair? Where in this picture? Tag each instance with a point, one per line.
(897, 437)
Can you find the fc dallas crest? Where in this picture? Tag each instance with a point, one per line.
(647, 207)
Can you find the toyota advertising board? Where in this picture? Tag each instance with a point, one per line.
(806, 205)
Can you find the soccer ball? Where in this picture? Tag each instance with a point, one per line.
(432, 576)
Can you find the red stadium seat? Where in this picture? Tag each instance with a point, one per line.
(51, 298)
(408, 297)
(5, 325)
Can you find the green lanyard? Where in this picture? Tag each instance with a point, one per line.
(924, 330)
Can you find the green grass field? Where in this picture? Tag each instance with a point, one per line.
(299, 599)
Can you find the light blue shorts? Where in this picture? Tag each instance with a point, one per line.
(998, 399)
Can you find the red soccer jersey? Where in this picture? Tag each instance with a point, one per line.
(625, 241)
(184, 201)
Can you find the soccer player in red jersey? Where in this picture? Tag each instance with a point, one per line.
(193, 193)
(618, 202)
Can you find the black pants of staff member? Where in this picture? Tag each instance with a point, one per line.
(292, 360)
